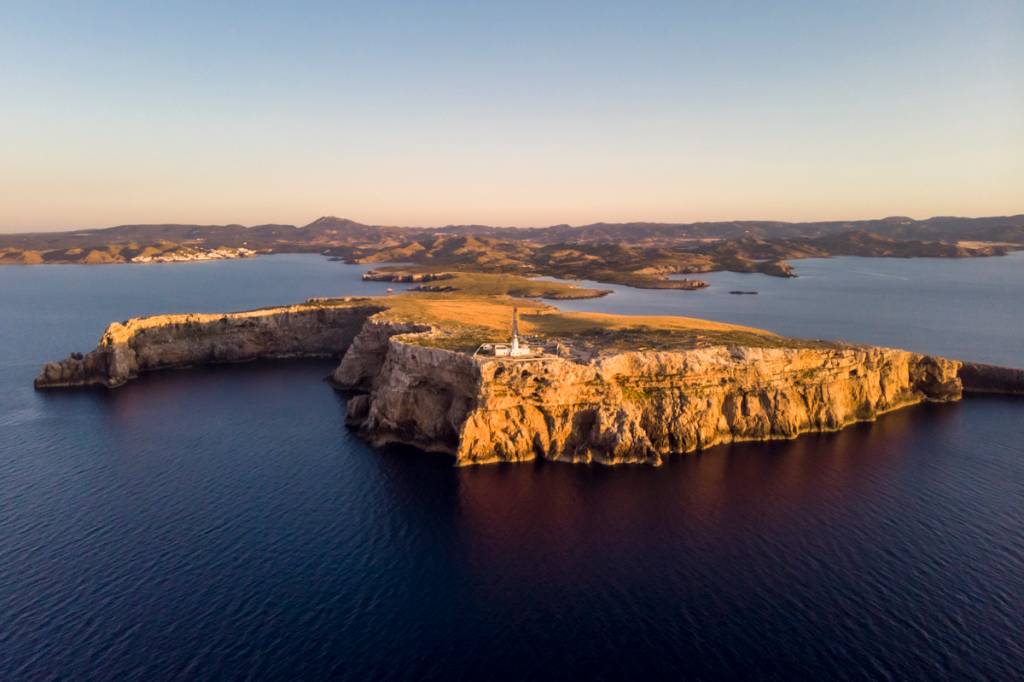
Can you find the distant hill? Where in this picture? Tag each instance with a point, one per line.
(341, 231)
(640, 254)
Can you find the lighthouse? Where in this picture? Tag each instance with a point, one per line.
(515, 331)
(516, 349)
(508, 350)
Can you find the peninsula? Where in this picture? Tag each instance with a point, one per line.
(590, 388)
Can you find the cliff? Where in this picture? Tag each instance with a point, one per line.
(980, 378)
(420, 396)
(138, 345)
(369, 350)
(631, 406)
(614, 389)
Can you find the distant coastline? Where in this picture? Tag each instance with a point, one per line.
(641, 255)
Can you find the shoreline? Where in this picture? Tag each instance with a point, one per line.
(585, 399)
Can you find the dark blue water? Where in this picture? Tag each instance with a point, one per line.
(222, 523)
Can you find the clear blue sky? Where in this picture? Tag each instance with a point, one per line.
(507, 113)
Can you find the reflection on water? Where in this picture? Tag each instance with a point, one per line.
(562, 517)
(785, 558)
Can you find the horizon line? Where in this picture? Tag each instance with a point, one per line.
(515, 227)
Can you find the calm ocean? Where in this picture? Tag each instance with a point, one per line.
(221, 523)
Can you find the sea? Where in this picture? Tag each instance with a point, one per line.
(222, 523)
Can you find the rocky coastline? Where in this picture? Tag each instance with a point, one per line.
(632, 407)
(614, 407)
(129, 348)
(982, 378)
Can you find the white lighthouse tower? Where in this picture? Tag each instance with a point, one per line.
(515, 333)
(509, 350)
(517, 350)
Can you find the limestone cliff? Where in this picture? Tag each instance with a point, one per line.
(129, 348)
(707, 384)
(421, 396)
(365, 358)
(634, 406)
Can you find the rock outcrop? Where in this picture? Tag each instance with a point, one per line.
(366, 356)
(980, 378)
(404, 276)
(129, 348)
(634, 406)
(421, 396)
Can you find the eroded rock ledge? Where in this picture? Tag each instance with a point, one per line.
(980, 378)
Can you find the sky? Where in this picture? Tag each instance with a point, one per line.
(510, 113)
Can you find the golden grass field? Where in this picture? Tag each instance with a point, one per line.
(496, 284)
(481, 311)
(466, 320)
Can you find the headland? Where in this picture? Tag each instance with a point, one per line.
(593, 388)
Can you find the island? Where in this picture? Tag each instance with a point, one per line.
(427, 369)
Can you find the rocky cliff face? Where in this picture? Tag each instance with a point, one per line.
(366, 356)
(611, 408)
(979, 378)
(145, 344)
(421, 396)
(636, 406)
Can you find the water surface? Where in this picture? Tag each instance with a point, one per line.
(222, 523)
(969, 308)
